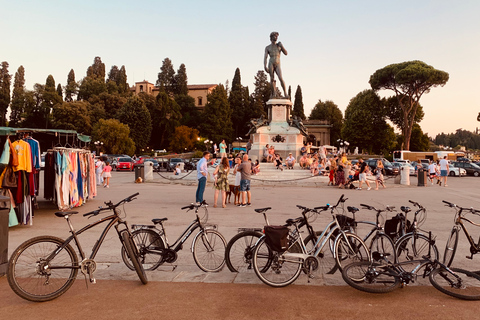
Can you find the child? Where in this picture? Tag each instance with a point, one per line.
(178, 170)
(107, 175)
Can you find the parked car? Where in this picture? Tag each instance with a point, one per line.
(139, 161)
(190, 165)
(471, 168)
(389, 168)
(173, 163)
(124, 163)
(455, 171)
(163, 164)
(399, 165)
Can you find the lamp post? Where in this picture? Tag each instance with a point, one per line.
(98, 144)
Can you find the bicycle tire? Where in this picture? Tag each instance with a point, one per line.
(467, 289)
(375, 277)
(209, 250)
(355, 250)
(148, 243)
(451, 247)
(383, 244)
(411, 248)
(272, 268)
(239, 251)
(326, 260)
(132, 253)
(27, 272)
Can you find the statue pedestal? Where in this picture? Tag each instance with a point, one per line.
(278, 133)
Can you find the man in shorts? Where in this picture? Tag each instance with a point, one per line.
(290, 161)
(245, 169)
(362, 177)
(444, 168)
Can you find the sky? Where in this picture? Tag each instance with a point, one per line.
(333, 46)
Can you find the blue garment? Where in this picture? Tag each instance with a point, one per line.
(35, 146)
(202, 182)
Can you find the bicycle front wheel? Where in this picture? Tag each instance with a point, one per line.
(36, 272)
(275, 268)
(350, 248)
(463, 285)
(239, 251)
(384, 245)
(375, 277)
(209, 250)
(149, 245)
(451, 247)
(411, 248)
(133, 255)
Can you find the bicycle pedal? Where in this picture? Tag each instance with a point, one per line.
(471, 257)
(174, 267)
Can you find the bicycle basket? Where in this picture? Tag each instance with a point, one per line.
(276, 238)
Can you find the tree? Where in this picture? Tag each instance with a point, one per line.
(135, 114)
(330, 112)
(365, 126)
(298, 104)
(18, 98)
(72, 116)
(97, 69)
(184, 139)
(180, 81)
(419, 141)
(216, 120)
(409, 80)
(71, 88)
(261, 93)
(190, 116)
(50, 99)
(111, 103)
(5, 79)
(165, 118)
(94, 83)
(395, 113)
(114, 135)
(60, 91)
(239, 104)
(166, 77)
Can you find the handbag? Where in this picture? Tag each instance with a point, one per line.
(9, 179)
(12, 217)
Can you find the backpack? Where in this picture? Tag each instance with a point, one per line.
(276, 238)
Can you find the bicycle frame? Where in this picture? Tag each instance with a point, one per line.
(474, 247)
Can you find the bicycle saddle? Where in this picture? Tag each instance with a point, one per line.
(260, 210)
(352, 209)
(62, 214)
(156, 221)
(292, 221)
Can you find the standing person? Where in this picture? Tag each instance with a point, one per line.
(215, 150)
(362, 177)
(99, 170)
(107, 169)
(202, 172)
(245, 169)
(223, 149)
(379, 175)
(444, 168)
(290, 161)
(238, 177)
(221, 182)
(432, 170)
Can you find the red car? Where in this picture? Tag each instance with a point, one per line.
(125, 164)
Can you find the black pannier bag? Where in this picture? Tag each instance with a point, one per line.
(393, 225)
(276, 238)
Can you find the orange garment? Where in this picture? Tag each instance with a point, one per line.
(24, 152)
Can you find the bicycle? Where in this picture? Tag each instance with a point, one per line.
(45, 267)
(375, 277)
(280, 268)
(208, 246)
(239, 251)
(452, 243)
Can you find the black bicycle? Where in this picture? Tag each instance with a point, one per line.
(208, 246)
(45, 267)
(452, 243)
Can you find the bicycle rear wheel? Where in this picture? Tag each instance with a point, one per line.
(350, 248)
(132, 253)
(451, 247)
(239, 251)
(383, 244)
(36, 272)
(466, 286)
(326, 261)
(149, 245)
(209, 250)
(273, 268)
(411, 248)
(375, 277)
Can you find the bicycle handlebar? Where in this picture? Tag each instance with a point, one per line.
(416, 204)
(452, 205)
(111, 206)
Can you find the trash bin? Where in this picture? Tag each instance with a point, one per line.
(139, 172)
(4, 214)
(422, 177)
